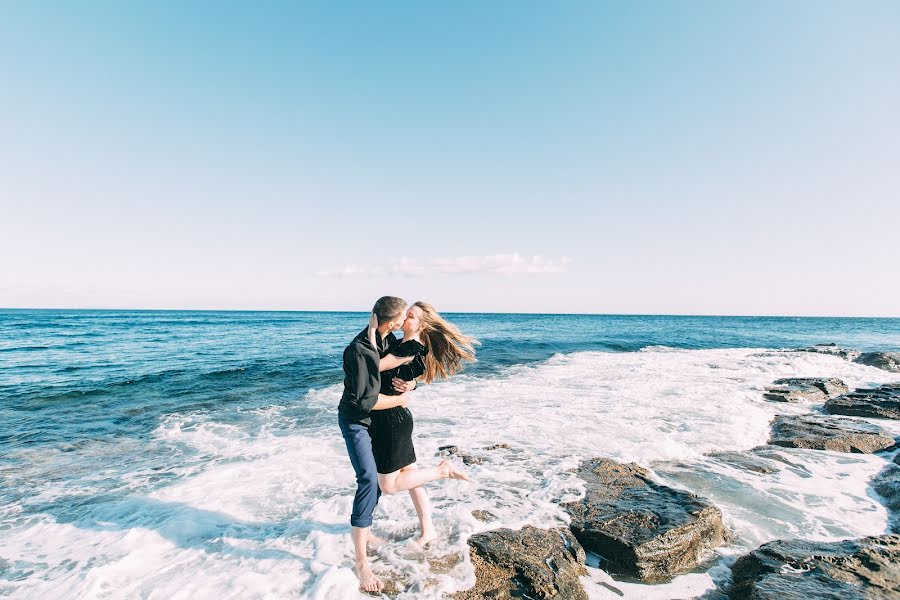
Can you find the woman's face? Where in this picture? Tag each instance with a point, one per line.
(413, 322)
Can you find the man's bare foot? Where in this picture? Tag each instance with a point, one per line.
(448, 470)
(368, 581)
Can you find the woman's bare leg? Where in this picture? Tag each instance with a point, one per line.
(399, 481)
(423, 509)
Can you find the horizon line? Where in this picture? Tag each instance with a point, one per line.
(463, 312)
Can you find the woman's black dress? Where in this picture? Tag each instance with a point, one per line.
(391, 429)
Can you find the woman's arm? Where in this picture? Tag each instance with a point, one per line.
(385, 402)
(389, 361)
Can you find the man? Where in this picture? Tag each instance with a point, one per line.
(362, 383)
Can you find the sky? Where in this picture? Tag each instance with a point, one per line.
(509, 156)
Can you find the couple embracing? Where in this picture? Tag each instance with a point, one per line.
(380, 372)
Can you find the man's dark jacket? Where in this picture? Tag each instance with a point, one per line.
(362, 381)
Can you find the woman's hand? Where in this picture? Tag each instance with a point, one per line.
(403, 386)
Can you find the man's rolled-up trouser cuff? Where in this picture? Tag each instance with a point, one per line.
(361, 522)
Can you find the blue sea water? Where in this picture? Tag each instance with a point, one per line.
(70, 375)
(83, 393)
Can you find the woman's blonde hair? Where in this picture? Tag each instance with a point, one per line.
(447, 346)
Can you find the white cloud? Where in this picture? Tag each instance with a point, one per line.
(508, 264)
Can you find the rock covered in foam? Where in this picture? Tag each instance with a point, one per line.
(830, 348)
(471, 457)
(882, 401)
(887, 485)
(797, 389)
(868, 568)
(817, 432)
(526, 563)
(887, 361)
(640, 527)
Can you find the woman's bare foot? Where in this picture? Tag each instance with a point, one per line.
(449, 471)
(426, 537)
(368, 581)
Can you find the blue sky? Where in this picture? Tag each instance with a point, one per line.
(646, 157)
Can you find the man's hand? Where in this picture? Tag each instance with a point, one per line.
(403, 386)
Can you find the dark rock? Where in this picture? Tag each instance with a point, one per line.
(639, 527)
(887, 361)
(527, 563)
(796, 389)
(882, 401)
(817, 432)
(868, 568)
(887, 485)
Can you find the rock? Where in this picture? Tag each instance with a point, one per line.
(499, 446)
(882, 401)
(746, 461)
(443, 564)
(796, 389)
(483, 515)
(526, 563)
(887, 485)
(468, 459)
(832, 349)
(868, 568)
(792, 393)
(640, 527)
(817, 432)
(887, 361)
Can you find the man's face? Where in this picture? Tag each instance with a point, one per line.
(398, 321)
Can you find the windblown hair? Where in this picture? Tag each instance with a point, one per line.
(447, 346)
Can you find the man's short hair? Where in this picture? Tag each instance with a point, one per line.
(388, 308)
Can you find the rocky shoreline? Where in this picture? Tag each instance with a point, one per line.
(645, 530)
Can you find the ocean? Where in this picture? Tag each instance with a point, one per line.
(183, 454)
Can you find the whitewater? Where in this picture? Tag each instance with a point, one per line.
(254, 503)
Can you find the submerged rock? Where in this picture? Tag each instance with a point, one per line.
(797, 389)
(882, 401)
(472, 457)
(640, 527)
(467, 458)
(887, 361)
(850, 570)
(817, 432)
(748, 461)
(526, 563)
(484, 515)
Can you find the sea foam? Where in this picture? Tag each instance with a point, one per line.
(258, 507)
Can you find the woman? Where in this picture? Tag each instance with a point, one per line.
(431, 348)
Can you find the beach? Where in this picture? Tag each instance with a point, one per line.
(177, 454)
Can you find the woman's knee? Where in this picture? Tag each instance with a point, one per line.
(388, 486)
